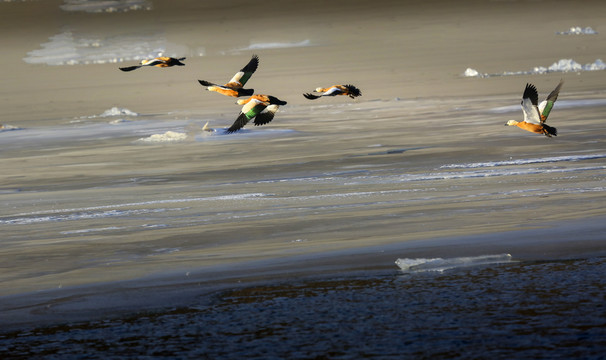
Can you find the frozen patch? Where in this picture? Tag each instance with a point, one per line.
(116, 111)
(550, 159)
(563, 65)
(577, 30)
(169, 136)
(440, 265)
(97, 6)
(6, 127)
(68, 48)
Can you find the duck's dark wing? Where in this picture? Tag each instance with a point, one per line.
(246, 72)
(207, 83)
(130, 68)
(266, 116)
(311, 96)
(238, 124)
(546, 105)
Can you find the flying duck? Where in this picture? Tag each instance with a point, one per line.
(536, 115)
(234, 86)
(334, 90)
(260, 107)
(161, 61)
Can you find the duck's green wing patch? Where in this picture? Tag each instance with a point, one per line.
(246, 72)
(547, 105)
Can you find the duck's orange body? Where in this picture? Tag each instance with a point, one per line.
(539, 129)
(227, 91)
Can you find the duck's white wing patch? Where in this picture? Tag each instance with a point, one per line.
(332, 91)
(251, 105)
(531, 112)
(236, 79)
(542, 106)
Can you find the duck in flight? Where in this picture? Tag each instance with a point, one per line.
(161, 61)
(262, 108)
(335, 90)
(235, 86)
(536, 114)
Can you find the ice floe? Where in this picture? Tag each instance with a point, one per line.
(5, 127)
(562, 65)
(169, 136)
(549, 159)
(440, 265)
(68, 48)
(116, 111)
(577, 30)
(97, 6)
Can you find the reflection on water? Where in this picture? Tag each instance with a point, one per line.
(552, 309)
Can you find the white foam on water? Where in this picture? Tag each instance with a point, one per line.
(86, 231)
(68, 48)
(577, 30)
(562, 65)
(97, 6)
(78, 216)
(99, 211)
(484, 174)
(116, 111)
(549, 159)
(169, 136)
(440, 264)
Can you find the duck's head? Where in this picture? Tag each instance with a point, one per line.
(511, 123)
(319, 89)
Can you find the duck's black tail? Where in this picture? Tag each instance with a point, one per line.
(246, 92)
(550, 131)
(353, 91)
(275, 101)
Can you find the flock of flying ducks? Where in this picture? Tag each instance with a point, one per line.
(262, 108)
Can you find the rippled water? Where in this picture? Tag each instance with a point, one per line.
(548, 309)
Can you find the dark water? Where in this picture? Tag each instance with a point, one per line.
(538, 310)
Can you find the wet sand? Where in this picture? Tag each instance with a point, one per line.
(342, 185)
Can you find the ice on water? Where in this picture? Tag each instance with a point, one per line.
(562, 65)
(577, 30)
(71, 48)
(440, 264)
(548, 159)
(97, 6)
(116, 111)
(169, 136)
